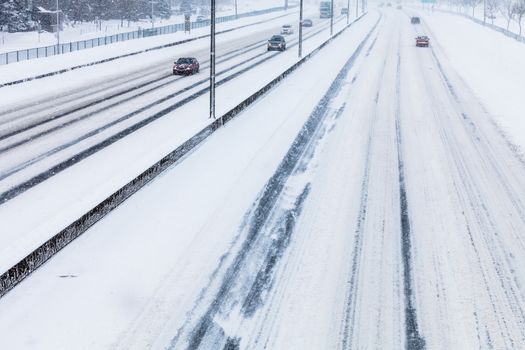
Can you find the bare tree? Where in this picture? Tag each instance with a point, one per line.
(519, 11)
(506, 9)
(473, 4)
(491, 7)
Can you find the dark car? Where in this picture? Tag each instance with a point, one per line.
(344, 11)
(422, 41)
(186, 66)
(277, 42)
(307, 23)
(415, 20)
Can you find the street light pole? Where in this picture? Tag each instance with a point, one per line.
(212, 61)
(152, 22)
(332, 19)
(58, 28)
(301, 29)
(236, 13)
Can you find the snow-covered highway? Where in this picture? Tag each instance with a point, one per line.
(368, 201)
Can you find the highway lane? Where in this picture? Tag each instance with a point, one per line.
(49, 139)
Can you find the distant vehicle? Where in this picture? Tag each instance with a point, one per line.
(277, 42)
(287, 29)
(422, 41)
(307, 23)
(201, 18)
(399, 7)
(388, 5)
(325, 9)
(344, 11)
(186, 66)
(415, 20)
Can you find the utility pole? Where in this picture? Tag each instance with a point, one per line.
(236, 13)
(286, 5)
(212, 61)
(58, 28)
(332, 19)
(301, 29)
(152, 21)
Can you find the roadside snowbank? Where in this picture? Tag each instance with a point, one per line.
(490, 63)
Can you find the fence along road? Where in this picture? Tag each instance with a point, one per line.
(46, 51)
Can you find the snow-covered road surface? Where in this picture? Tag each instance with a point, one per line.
(94, 139)
(394, 220)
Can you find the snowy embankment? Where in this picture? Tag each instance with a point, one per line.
(35, 67)
(497, 21)
(139, 298)
(489, 62)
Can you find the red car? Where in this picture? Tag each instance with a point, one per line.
(186, 66)
(422, 41)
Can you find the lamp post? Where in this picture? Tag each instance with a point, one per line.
(301, 29)
(58, 28)
(152, 20)
(236, 13)
(332, 19)
(212, 61)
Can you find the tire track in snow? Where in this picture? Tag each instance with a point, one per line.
(347, 334)
(414, 341)
(266, 204)
(485, 220)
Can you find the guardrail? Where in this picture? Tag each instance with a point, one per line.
(46, 51)
(17, 273)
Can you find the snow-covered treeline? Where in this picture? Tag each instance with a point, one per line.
(24, 15)
(510, 10)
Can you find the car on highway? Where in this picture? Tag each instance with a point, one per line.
(422, 41)
(415, 20)
(344, 11)
(277, 42)
(201, 18)
(388, 5)
(399, 7)
(186, 66)
(287, 29)
(308, 23)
